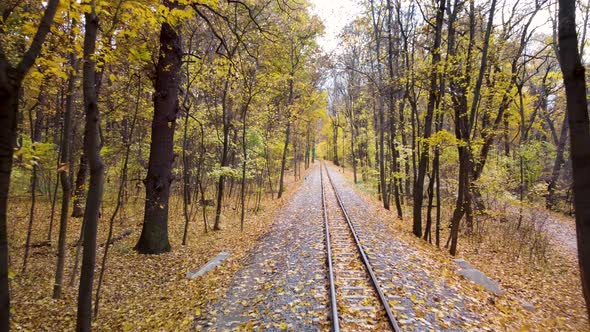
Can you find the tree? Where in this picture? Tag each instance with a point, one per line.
(11, 79)
(432, 96)
(92, 146)
(579, 124)
(64, 173)
(154, 234)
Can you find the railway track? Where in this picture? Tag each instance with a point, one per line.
(357, 302)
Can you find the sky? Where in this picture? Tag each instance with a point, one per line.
(335, 14)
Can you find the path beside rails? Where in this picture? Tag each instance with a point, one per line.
(283, 284)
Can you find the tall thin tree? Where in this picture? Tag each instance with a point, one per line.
(96, 166)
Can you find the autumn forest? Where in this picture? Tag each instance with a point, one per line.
(294, 165)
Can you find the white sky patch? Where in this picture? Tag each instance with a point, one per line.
(335, 14)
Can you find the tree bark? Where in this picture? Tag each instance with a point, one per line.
(95, 191)
(287, 134)
(154, 234)
(577, 109)
(185, 177)
(380, 110)
(335, 145)
(392, 97)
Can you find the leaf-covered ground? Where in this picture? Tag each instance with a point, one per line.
(140, 293)
(424, 294)
(275, 276)
(285, 277)
(282, 285)
(551, 284)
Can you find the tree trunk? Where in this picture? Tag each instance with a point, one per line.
(432, 98)
(154, 234)
(380, 109)
(392, 94)
(79, 191)
(95, 191)
(224, 154)
(10, 84)
(119, 204)
(559, 162)
(335, 146)
(65, 176)
(185, 178)
(284, 158)
(35, 138)
(9, 97)
(244, 163)
(577, 109)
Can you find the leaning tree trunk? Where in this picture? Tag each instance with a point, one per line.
(577, 109)
(391, 103)
(154, 235)
(95, 190)
(119, 204)
(185, 177)
(244, 164)
(380, 110)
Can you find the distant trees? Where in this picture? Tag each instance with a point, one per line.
(453, 107)
(242, 74)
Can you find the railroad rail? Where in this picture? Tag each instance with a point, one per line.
(352, 281)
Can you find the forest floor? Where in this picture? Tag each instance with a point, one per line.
(140, 292)
(536, 263)
(280, 255)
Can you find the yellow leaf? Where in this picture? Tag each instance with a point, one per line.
(127, 326)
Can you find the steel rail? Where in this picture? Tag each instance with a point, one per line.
(335, 324)
(382, 297)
